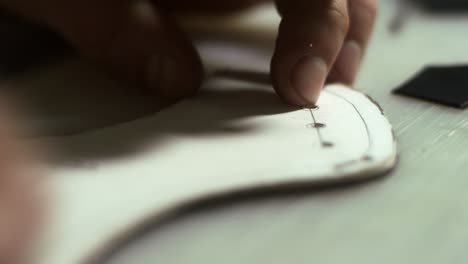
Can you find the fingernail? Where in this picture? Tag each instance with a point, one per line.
(348, 62)
(308, 77)
(161, 73)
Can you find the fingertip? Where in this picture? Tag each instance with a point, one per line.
(308, 78)
(347, 64)
(362, 19)
(282, 85)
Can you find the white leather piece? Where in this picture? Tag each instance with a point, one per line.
(225, 140)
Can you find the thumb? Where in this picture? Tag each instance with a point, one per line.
(133, 40)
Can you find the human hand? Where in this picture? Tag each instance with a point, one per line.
(319, 41)
(140, 41)
(20, 193)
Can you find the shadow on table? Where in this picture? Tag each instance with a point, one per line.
(212, 113)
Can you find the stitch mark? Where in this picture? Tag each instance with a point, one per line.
(318, 127)
(366, 156)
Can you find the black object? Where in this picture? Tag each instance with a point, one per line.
(444, 5)
(443, 85)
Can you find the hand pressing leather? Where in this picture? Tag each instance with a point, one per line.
(140, 41)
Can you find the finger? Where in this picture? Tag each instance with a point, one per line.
(20, 208)
(133, 40)
(362, 17)
(20, 200)
(310, 36)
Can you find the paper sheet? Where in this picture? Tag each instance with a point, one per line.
(230, 139)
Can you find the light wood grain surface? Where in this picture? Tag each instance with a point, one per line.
(417, 215)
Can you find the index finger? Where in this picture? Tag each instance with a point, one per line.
(311, 35)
